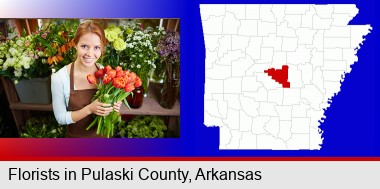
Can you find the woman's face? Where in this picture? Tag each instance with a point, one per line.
(89, 49)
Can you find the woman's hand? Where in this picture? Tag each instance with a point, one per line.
(116, 106)
(99, 108)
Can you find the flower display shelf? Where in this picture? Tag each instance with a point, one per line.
(151, 104)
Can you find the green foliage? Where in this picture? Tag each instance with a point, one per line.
(56, 43)
(143, 127)
(44, 127)
(132, 47)
(35, 55)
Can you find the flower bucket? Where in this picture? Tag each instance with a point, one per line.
(34, 91)
(170, 90)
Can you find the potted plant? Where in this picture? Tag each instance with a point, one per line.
(143, 127)
(132, 47)
(169, 50)
(29, 60)
(44, 127)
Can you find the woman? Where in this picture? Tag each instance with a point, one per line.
(71, 91)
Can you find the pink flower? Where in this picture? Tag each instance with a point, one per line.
(44, 35)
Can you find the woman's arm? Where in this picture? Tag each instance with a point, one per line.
(61, 114)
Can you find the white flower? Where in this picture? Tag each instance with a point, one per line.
(12, 51)
(19, 42)
(8, 62)
(138, 66)
(25, 62)
(18, 72)
(130, 45)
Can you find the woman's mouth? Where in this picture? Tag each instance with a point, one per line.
(88, 60)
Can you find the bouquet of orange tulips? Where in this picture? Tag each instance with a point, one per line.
(113, 85)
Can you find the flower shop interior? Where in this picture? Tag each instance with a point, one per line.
(31, 50)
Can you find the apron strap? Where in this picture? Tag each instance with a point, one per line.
(72, 76)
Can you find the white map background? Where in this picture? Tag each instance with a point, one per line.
(252, 110)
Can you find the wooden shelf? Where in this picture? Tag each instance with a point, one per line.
(150, 105)
(22, 106)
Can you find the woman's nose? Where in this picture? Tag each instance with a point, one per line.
(90, 52)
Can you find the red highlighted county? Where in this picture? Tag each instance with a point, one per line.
(279, 75)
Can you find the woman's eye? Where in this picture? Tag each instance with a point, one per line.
(84, 46)
(97, 47)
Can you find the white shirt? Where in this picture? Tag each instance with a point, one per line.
(60, 91)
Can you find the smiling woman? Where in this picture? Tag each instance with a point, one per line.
(72, 94)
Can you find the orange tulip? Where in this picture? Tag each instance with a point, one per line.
(107, 68)
(120, 74)
(107, 79)
(118, 68)
(119, 82)
(99, 73)
(138, 82)
(128, 88)
(111, 73)
(91, 79)
(133, 76)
